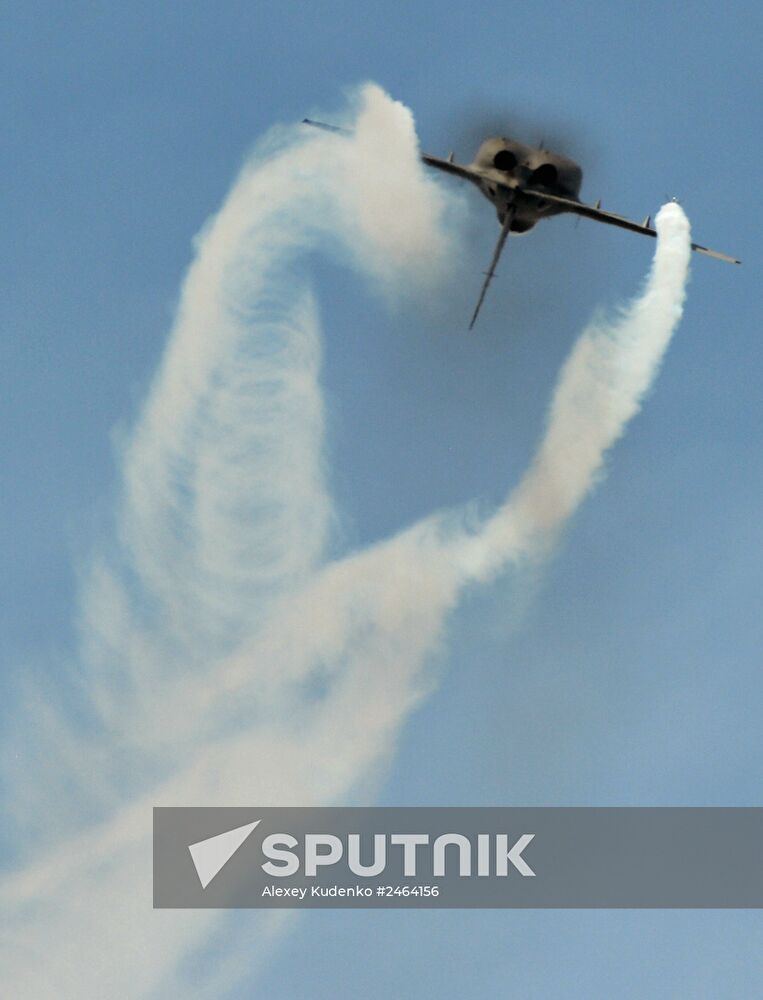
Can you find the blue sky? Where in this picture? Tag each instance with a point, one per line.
(632, 674)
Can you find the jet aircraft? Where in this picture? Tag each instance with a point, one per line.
(526, 185)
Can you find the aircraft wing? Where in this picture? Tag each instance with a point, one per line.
(431, 161)
(325, 127)
(451, 168)
(595, 213)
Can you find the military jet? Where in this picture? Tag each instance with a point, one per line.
(526, 185)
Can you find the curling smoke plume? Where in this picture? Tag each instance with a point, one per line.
(203, 630)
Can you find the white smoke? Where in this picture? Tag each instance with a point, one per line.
(203, 642)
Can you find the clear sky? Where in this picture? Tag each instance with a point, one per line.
(631, 675)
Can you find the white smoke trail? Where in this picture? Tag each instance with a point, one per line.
(226, 615)
(601, 387)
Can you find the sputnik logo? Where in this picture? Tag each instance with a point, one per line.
(211, 855)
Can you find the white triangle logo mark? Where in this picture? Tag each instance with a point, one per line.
(212, 854)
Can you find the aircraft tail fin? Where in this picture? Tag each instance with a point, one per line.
(490, 273)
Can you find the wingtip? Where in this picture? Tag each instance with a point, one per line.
(707, 252)
(325, 126)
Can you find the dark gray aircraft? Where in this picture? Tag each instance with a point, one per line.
(527, 185)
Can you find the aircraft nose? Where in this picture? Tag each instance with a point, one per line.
(522, 173)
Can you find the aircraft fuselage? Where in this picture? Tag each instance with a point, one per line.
(506, 167)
